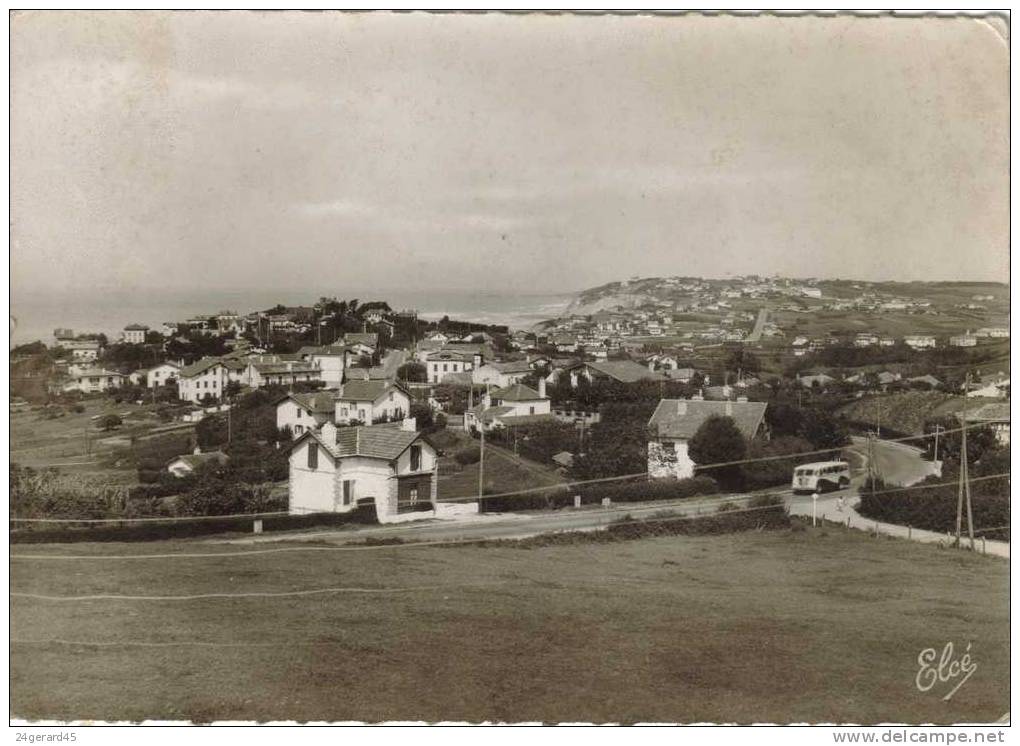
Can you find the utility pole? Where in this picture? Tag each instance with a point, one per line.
(964, 491)
(938, 429)
(481, 460)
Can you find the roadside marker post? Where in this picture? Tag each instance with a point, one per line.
(257, 526)
(814, 509)
(577, 501)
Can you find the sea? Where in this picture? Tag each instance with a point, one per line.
(34, 314)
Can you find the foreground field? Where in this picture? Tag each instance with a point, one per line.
(758, 627)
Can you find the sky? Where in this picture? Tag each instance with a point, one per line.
(501, 153)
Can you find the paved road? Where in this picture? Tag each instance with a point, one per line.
(503, 525)
(897, 463)
(759, 325)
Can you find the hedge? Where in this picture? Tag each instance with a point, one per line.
(935, 510)
(171, 529)
(593, 494)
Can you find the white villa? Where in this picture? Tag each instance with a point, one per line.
(370, 401)
(333, 469)
(674, 423)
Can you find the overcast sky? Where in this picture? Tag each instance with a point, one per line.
(502, 153)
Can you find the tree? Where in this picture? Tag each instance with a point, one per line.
(759, 474)
(740, 359)
(719, 440)
(979, 440)
(422, 414)
(412, 371)
(109, 422)
(823, 430)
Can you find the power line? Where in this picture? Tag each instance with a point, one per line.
(440, 542)
(531, 490)
(207, 596)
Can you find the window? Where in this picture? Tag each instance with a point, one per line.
(299, 413)
(415, 458)
(361, 415)
(313, 455)
(414, 495)
(444, 367)
(391, 396)
(348, 491)
(531, 410)
(298, 429)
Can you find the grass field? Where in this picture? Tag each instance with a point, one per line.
(504, 472)
(759, 627)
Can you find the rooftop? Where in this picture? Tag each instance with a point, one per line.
(681, 418)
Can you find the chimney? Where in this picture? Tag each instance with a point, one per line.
(681, 407)
(328, 432)
(541, 387)
(409, 424)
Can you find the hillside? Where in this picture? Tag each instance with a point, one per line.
(904, 412)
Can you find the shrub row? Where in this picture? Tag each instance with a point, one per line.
(935, 510)
(593, 494)
(171, 529)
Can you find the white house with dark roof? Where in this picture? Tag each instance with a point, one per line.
(206, 377)
(393, 465)
(281, 370)
(134, 334)
(308, 411)
(675, 421)
(371, 401)
(158, 375)
(516, 404)
(439, 364)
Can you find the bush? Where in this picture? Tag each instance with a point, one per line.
(593, 494)
(469, 455)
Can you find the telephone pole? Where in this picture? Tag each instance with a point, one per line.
(964, 491)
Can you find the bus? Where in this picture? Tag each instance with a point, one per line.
(821, 476)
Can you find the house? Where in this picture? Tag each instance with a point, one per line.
(995, 332)
(160, 374)
(371, 401)
(927, 380)
(85, 350)
(332, 361)
(512, 405)
(134, 334)
(302, 412)
(502, 374)
(438, 364)
(963, 340)
(369, 340)
(819, 380)
(621, 371)
(919, 341)
(995, 416)
(866, 339)
(333, 469)
(675, 422)
(206, 378)
(280, 370)
(94, 380)
(437, 338)
(182, 466)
